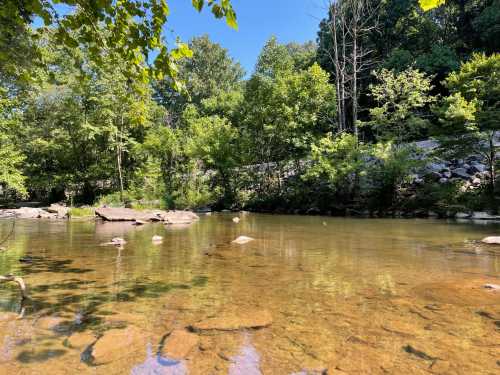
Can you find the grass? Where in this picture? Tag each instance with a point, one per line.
(76, 212)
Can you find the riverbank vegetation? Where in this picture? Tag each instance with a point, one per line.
(329, 126)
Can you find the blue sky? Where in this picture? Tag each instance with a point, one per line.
(289, 20)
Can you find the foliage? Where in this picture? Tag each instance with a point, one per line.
(81, 212)
(130, 28)
(402, 99)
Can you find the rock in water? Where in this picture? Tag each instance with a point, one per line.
(234, 321)
(236, 220)
(60, 210)
(178, 217)
(157, 239)
(492, 240)
(179, 344)
(116, 344)
(124, 214)
(492, 286)
(242, 240)
(139, 222)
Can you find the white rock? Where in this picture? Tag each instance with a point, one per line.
(492, 240)
(236, 220)
(242, 240)
(118, 241)
(492, 286)
(462, 215)
(157, 239)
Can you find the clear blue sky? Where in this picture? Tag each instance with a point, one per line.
(289, 20)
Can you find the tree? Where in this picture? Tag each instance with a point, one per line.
(131, 29)
(469, 117)
(401, 99)
(210, 72)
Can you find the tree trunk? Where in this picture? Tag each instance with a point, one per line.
(119, 156)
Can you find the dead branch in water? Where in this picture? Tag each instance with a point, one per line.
(17, 280)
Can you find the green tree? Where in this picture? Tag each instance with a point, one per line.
(402, 100)
(469, 117)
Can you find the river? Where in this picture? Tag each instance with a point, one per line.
(308, 295)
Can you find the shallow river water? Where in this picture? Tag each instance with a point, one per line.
(309, 295)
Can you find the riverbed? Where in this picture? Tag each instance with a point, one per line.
(309, 295)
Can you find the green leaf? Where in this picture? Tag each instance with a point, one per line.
(430, 4)
(198, 4)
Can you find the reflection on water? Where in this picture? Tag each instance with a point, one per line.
(349, 296)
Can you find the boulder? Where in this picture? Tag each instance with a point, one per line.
(235, 321)
(476, 181)
(124, 214)
(60, 210)
(460, 173)
(484, 216)
(116, 344)
(462, 215)
(241, 240)
(178, 217)
(477, 168)
(236, 220)
(179, 344)
(80, 340)
(492, 240)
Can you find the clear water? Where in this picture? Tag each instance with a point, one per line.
(355, 296)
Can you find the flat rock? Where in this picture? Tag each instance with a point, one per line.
(179, 344)
(60, 210)
(80, 340)
(492, 240)
(234, 321)
(116, 344)
(124, 214)
(49, 322)
(484, 216)
(242, 240)
(178, 217)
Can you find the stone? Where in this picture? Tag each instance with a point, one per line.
(476, 181)
(178, 217)
(49, 322)
(477, 168)
(462, 215)
(116, 344)
(443, 180)
(479, 215)
(241, 240)
(157, 239)
(236, 220)
(139, 222)
(492, 286)
(58, 209)
(179, 344)
(80, 340)
(235, 321)
(460, 173)
(446, 174)
(492, 240)
(118, 241)
(124, 214)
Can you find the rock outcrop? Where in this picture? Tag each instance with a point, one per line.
(179, 344)
(129, 214)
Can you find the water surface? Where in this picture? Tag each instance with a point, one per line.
(353, 296)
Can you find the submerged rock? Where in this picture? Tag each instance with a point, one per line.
(234, 321)
(80, 340)
(179, 344)
(242, 240)
(116, 344)
(492, 240)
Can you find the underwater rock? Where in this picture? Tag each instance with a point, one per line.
(242, 240)
(179, 344)
(234, 321)
(80, 340)
(116, 344)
